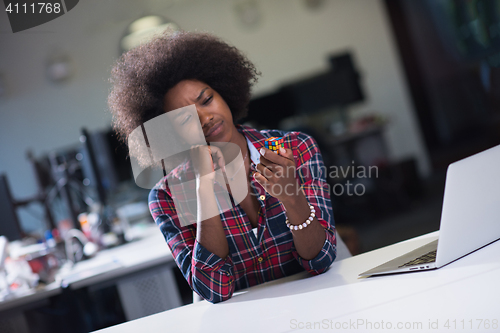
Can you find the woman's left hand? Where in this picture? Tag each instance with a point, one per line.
(276, 173)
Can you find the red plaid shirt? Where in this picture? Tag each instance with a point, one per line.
(252, 260)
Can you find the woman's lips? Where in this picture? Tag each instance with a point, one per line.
(216, 129)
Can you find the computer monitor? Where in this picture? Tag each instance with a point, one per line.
(337, 87)
(9, 221)
(118, 157)
(105, 164)
(268, 110)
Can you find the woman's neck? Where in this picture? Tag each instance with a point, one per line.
(238, 139)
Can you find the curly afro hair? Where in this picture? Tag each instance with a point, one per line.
(142, 76)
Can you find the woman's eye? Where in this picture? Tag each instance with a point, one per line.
(186, 120)
(208, 100)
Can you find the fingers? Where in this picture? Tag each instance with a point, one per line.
(261, 180)
(283, 158)
(201, 157)
(266, 172)
(287, 153)
(270, 185)
(277, 163)
(214, 153)
(217, 153)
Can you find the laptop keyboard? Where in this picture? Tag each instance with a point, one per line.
(424, 259)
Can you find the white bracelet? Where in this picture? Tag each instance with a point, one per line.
(305, 224)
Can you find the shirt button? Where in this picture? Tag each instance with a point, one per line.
(262, 197)
(260, 259)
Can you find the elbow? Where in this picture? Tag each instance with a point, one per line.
(222, 291)
(216, 300)
(319, 271)
(323, 262)
(329, 258)
(322, 267)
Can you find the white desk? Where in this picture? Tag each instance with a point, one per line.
(337, 300)
(142, 271)
(150, 251)
(30, 297)
(148, 258)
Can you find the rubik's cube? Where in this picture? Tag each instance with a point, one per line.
(274, 144)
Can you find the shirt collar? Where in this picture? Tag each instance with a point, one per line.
(255, 141)
(254, 153)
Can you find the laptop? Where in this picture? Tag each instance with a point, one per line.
(470, 218)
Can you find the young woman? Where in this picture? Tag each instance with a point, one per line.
(284, 224)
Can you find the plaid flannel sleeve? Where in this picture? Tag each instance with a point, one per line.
(312, 176)
(206, 273)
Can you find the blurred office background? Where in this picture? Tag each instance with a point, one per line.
(406, 86)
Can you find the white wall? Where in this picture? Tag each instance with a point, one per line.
(290, 41)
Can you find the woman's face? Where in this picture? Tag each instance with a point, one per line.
(213, 113)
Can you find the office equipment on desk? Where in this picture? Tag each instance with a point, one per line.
(104, 163)
(4, 285)
(41, 168)
(32, 264)
(134, 219)
(469, 217)
(86, 248)
(58, 176)
(3, 251)
(66, 183)
(142, 271)
(107, 171)
(55, 175)
(90, 166)
(18, 288)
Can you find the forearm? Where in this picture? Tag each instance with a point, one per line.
(308, 241)
(207, 273)
(210, 232)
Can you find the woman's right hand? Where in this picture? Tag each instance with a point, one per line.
(205, 160)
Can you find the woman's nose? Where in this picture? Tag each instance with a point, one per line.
(205, 117)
